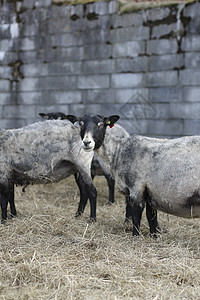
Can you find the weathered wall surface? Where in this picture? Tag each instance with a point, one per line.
(88, 58)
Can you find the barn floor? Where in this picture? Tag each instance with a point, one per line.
(46, 253)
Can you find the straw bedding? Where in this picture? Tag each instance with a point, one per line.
(48, 254)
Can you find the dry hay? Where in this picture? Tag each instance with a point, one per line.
(48, 254)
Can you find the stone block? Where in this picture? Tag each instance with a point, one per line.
(129, 96)
(67, 40)
(34, 70)
(98, 96)
(165, 94)
(5, 98)
(28, 4)
(132, 65)
(161, 78)
(166, 62)
(193, 27)
(5, 72)
(192, 10)
(6, 45)
(163, 46)
(18, 111)
(104, 66)
(190, 77)
(170, 128)
(30, 98)
(43, 3)
(64, 68)
(81, 109)
(28, 44)
(113, 7)
(102, 8)
(192, 60)
(5, 31)
(165, 30)
(126, 34)
(37, 56)
(100, 52)
(64, 97)
(4, 85)
(69, 54)
(128, 49)
(96, 36)
(93, 82)
(14, 123)
(191, 43)
(108, 109)
(127, 80)
(191, 127)
(128, 20)
(191, 94)
(47, 83)
(156, 14)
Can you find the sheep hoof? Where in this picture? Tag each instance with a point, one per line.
(92, 220)
(153, 235)
(158, 229)
(3, 222)
(13, 215)
(110, 203)
(78, 214)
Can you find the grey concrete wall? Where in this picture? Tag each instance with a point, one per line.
(88, 58)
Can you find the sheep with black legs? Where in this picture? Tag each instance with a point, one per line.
(42, 152)
(163, 173)
(98, 167)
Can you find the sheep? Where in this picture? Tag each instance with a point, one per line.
(97, 168)
(42, 152)
(124, 162)
(164, 173)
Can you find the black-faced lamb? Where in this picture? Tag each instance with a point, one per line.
(163, 173)
(98, 167)
(42, 152)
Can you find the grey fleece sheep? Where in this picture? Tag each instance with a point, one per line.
(163, 173)
(40, 153)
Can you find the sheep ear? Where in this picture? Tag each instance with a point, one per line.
(42, 115)
(110, 121)
(72, 118)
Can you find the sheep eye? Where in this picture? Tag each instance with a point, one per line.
(81, 123)
(100, 125)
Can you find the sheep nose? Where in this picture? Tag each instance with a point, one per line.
(86, 143)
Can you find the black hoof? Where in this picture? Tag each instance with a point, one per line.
(93, 220)
(78, 214)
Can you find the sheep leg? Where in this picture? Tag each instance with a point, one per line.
(92, 194)
(137, 209)
(111, 186)
(11, 201)
(128, 215)
(4, 204)
(83, 194)
(152, 219)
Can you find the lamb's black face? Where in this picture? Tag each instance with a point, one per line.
(92, 129)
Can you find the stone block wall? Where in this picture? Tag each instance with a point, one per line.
(88, 58)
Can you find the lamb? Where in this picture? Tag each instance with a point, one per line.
(42, 152)
(164, 174)
(97, 168)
